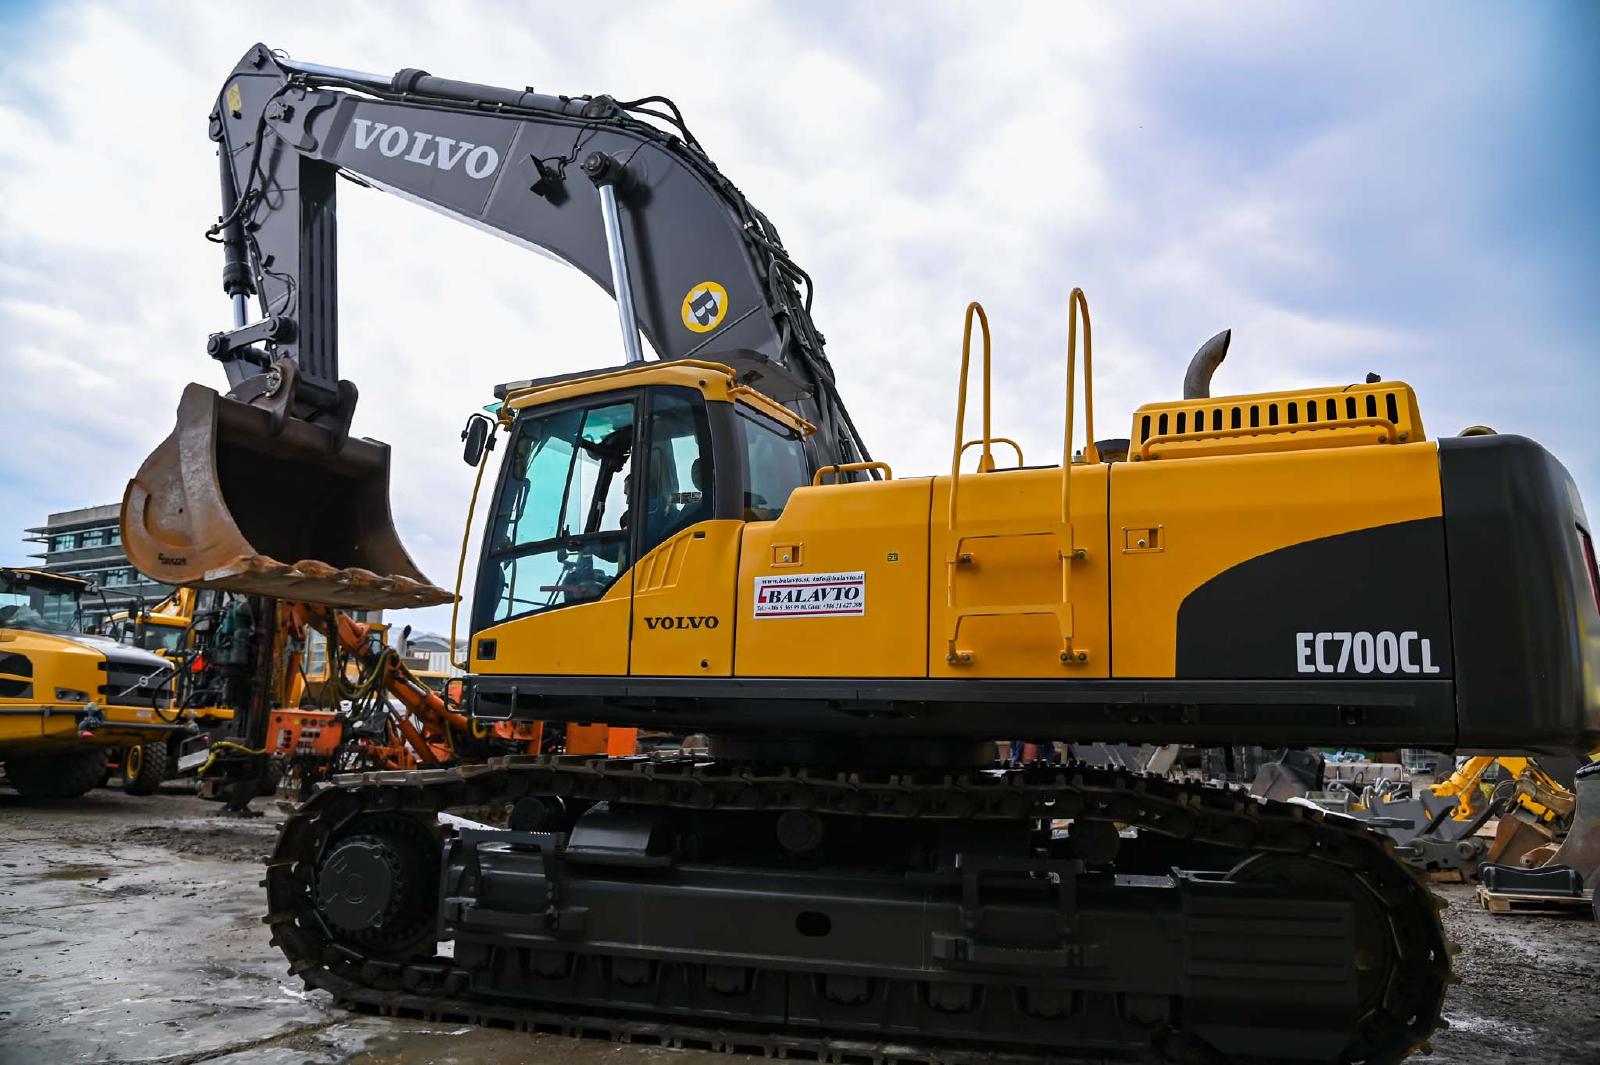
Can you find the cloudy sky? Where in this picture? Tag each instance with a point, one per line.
(1406, 189)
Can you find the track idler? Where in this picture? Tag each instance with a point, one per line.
(245, 497)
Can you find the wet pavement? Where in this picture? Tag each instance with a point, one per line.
(130, 933)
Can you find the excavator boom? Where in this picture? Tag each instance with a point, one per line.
(263, 490)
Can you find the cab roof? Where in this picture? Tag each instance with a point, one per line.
(24, 575)
(716, 381)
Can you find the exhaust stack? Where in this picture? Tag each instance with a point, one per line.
(244, 498)
(1197, 379)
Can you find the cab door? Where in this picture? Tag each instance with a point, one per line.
(555, 584)
(683, 583)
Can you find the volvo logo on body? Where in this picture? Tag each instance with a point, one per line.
(680, 621)
(425, 149)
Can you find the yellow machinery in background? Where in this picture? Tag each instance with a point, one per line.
(164, 630)
(280, 696)
(67, 697)
(1536, 815)
(158, 629)
(1538, 793)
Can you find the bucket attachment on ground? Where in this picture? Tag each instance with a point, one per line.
(1581, 849)
(245, 498)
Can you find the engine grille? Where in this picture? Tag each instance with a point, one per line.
(1380, 412)
(125, 684)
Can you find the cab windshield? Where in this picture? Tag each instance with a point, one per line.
(38, 607)
(559, 535)
(161, 637)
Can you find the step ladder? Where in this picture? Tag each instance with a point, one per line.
(970, 543)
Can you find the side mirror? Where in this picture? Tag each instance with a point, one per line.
(477, 438)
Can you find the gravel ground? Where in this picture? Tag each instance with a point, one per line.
(129, 932)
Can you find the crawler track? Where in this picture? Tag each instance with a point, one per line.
(1391, 1023)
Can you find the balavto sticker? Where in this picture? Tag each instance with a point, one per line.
(811, 595)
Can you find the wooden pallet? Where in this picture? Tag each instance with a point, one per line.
(1499, 902)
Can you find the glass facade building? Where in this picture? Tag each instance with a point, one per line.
(87, 543)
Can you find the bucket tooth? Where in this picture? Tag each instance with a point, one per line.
(241, 498)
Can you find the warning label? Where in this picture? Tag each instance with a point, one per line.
(811, 595)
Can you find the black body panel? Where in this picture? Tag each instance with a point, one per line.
(1523, 611)
(1382, 712)
(1378, 584)
(14, 671)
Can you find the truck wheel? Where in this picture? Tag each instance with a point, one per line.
(56, 776)
(144, 767)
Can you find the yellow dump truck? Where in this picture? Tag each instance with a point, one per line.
(66, 696)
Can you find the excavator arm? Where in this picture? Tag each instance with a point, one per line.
(263, 491)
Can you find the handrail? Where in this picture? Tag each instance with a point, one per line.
(1390, 432)
(1067, 554)
(1090, 452)
(997, 440)
(771, 408)
(986, 460)
(518, 398)
(852, 467)
(461, 560)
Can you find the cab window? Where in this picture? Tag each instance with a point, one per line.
(776, 461)
(559, 533)
(678, 476)
(162, 637)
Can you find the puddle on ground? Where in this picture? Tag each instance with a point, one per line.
(407, 1043)
(75, 872)
(1511, 1033)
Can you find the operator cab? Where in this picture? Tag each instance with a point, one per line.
(603, 469)
(37, 601)
(159, 633)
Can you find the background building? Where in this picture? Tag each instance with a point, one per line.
(431, 651)
(87, 543)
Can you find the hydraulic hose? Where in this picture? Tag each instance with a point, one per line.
(461, 560)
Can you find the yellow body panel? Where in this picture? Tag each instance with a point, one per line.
(683, 603)
(589, 638)
(40, 720)
(876, 528)
(1201, 516)
(1005, 524)
(57, 728)
(57, 662)
(1009, 591)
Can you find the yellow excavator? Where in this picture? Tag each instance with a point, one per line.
(703, 544)
(165, 630)
(67, 697)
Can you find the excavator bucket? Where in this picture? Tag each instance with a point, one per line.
(246, 499)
